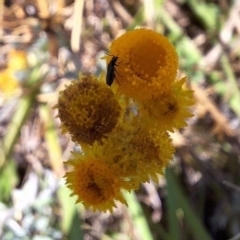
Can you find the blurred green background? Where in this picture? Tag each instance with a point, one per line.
(43, 45)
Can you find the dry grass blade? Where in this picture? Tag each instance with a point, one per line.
(221, 123)
(121, 11)
(77, 25)
(1, 16)
(43, 9)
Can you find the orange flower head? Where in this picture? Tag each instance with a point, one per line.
(96, 184)
(147, 63)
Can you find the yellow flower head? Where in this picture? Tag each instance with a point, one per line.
(146, 155)
(9, 84)
(96, 184)
(17, 60)
(147, 63)
(171, 109)
(88, 110)
(138, 153)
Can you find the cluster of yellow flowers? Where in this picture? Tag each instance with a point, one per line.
(123, 129)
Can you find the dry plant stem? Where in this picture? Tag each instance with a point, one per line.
(211, 58)
(221, 123)
(1, 16)
(43, 9)
(125, 16)
(77, 25)
(149, 12)
(60, 5)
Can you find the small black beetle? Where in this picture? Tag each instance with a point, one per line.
(111, 70)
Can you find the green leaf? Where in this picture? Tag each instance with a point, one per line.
(178, 204)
